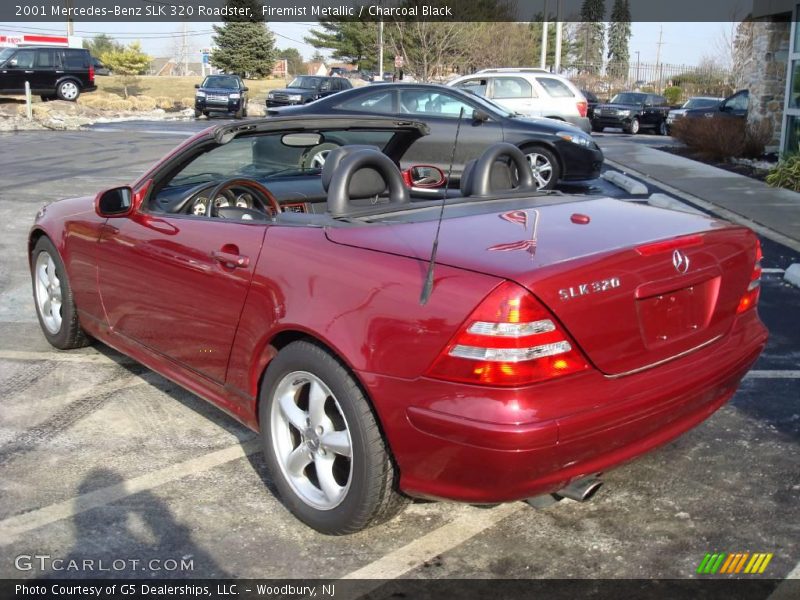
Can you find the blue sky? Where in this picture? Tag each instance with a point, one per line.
(684, 43)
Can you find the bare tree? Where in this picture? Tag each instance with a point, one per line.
(430, 49)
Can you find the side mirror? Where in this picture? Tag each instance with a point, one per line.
(424, 176)
(480, 115)
(197, 86)
(12, 63)
(116, 202)
(245, 89)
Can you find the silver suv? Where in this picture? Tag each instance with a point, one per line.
(530, 92)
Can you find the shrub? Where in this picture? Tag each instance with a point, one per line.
(143, 102)
(786, 173)
(165, 103)
(720, 138)
(673, 94)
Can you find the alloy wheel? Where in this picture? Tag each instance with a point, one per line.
(318, 160)
(541, 168)
(311, 440)
(48, 292)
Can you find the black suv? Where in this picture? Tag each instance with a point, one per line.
(307, 88)
(633, 111)
(221, 93)
(51, 72)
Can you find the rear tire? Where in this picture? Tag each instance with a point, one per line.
(322, 443)
(52, 294)
(68, 90)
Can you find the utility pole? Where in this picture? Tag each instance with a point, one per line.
(70, 24)
(380, 51)
(559, 34)
(543, 59)
(185, 49)
(658, 57)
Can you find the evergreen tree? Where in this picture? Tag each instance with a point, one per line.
(244, 46)
(619, 34)
(350, 41)
(590, 40)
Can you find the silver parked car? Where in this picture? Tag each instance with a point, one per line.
(530, 92)
(693, 102)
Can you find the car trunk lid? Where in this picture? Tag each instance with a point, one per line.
(634, 285)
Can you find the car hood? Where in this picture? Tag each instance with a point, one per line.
(545, 124)
(676, 112)
(302, 91)
(620, 106)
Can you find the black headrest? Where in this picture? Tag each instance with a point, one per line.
(365, 183)
(501, 168)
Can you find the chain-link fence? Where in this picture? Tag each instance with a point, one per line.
(676, 82)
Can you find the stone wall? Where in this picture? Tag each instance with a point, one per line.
(764, 74)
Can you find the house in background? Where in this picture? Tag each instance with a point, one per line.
(316, 68)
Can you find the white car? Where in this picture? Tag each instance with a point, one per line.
(530, 92)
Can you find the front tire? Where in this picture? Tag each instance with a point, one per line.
(322, 444)
(68, 90)
(662, 128)
(633, 128)
(544, 165)
(52, 296)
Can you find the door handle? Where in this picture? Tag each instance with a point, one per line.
(29, 72)
(230, 260)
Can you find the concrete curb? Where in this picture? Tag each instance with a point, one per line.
(628, 184)
(664, 201)
(792, 275)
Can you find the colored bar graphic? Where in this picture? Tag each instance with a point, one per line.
(724, 563)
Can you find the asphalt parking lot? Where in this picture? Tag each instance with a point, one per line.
(102, 459)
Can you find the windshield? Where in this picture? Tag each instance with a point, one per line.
(221, 81)
(5, 53)
(629, 98)
(306, 83)
(701, 103)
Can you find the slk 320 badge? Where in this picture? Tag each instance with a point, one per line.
(584, 289)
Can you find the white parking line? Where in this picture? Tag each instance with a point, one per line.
(787, 590)
(773, 270)
(13, 528)
(772, 375)
(438, 541)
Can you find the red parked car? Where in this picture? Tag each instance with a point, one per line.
(276, 268)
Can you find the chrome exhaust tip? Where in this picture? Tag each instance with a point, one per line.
(581, 490)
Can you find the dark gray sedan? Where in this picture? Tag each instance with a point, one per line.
(556, 151)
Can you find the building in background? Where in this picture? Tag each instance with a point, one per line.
(61, 41)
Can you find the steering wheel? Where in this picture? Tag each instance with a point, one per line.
(251, 185)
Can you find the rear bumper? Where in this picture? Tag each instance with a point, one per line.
(479, 445)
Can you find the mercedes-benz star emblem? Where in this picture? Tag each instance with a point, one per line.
(680, 261)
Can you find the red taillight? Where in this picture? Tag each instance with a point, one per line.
(511, 339)
(686, 241)
(750, 297)
(91, 73)
(583, 106)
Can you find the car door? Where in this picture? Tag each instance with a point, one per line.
(517, 95)
(163, 284)
(736, 106)
(17, 70)
(649, 113)
(46, 68)
(440, 111)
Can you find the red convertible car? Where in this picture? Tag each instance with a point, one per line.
(279, 269)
